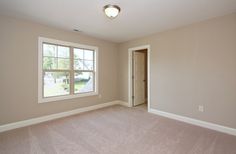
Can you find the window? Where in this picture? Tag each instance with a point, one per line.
(66, 70)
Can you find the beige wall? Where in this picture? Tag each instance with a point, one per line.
(191, 66)
(18, 65)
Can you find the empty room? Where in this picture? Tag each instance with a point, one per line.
(118, 77)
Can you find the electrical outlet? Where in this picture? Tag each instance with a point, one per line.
(201, 108)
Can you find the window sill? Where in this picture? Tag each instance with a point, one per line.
(60, 98)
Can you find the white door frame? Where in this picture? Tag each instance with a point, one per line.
(130, 70)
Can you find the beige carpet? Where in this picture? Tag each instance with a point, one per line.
(116, 130)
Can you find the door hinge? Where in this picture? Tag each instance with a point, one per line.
(132, 97)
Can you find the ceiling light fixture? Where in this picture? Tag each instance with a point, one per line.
(111, 11)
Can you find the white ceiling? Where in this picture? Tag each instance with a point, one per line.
(137, 18)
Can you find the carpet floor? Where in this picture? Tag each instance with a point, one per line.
(116, 130)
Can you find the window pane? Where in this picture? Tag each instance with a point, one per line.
(88, 54)
(63, 63)
(83, 65)
(88, 65)
(63, 52)
(49, 50)
(83, 82)
(56, 83)
(49, 63)
(78, 53)
(78, 64)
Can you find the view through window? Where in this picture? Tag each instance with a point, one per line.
(67, 70)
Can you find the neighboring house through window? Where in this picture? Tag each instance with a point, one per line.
(66, 70)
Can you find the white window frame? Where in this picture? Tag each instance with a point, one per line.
(42, 99)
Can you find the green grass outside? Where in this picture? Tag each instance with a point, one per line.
(79, 85)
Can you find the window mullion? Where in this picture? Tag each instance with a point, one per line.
(94, 80)
(71, 71)
(55, 70)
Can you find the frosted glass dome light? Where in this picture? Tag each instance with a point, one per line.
(111, 11)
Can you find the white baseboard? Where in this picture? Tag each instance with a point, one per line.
(33, 121)
(200, 123)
